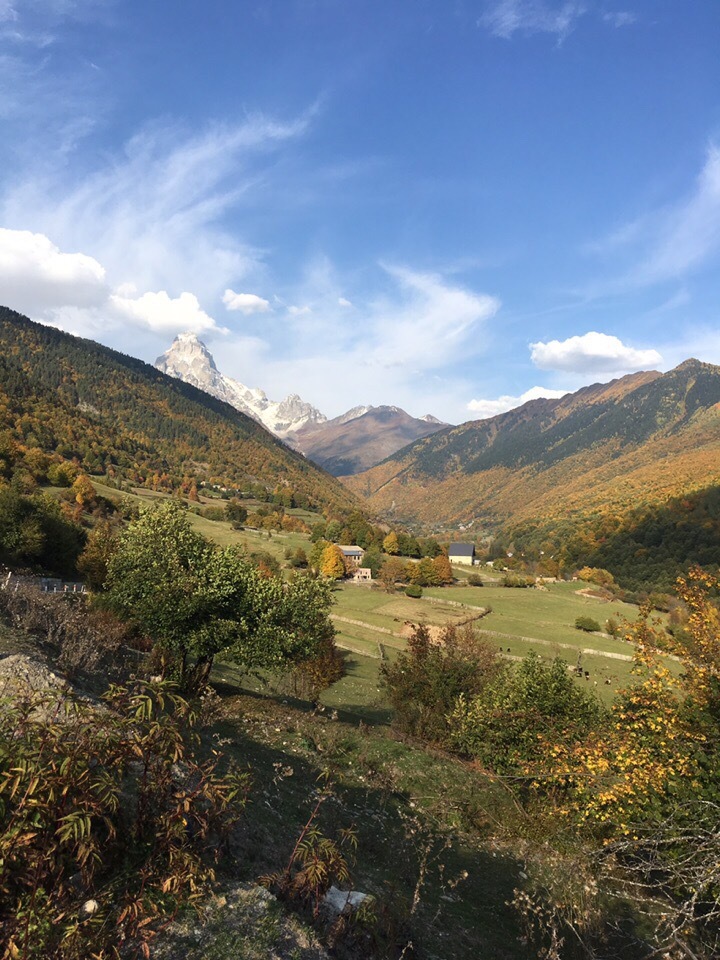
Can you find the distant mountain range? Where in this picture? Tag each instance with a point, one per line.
(362, 437)
(347, 444)
(602, 450)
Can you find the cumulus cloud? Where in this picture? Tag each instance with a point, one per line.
(344, 302)
(507, 17)
(296, 311)
(246, 303)
(35, 275)
(591, 353)
(491, 408)
(161, 313)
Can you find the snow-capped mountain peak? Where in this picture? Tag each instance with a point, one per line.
(190, 360)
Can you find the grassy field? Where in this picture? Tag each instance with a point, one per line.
(220, 531)
(520, 621)
(370, 622)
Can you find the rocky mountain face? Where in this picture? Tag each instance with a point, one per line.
(608, 448)
(361, 438)
(354, 441)
(190, 360)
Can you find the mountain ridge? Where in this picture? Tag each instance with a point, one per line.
(340, 445)
(648, 435)
(189, 359)
(345, 446)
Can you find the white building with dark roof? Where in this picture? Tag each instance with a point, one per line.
(462, 553)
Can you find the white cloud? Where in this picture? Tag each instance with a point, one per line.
(36, 276)
(507, 17)
(591, 353)
(296, 311)
(491, 408)
(246, 303)
(164, 184)
(161, 313)
(344, 302)
(430, 326)
(397, 349)
(689, 234)
(666, 244)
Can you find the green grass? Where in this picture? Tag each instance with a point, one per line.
(527, 620)
(219, 531)
(400, 800)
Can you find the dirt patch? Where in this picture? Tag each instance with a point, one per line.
(593, 594)
(409, 628)
(19, 674)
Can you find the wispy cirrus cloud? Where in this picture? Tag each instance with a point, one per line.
(671, 243)
(591, 353)
(396, 349)
(687, 235)
(153, 216)
(505, 18)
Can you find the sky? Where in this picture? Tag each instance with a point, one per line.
(452, 206)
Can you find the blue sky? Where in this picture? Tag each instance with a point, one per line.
(447, 205)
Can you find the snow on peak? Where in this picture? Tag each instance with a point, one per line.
(190, 360)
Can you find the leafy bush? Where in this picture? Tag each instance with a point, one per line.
(524, 707)
(213, 513)
(107, 820)
(414, 591)
(587, 624)
(427, 678)
(516, 580)
(474, 580)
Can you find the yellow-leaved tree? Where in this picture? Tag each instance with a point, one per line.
(332, 564)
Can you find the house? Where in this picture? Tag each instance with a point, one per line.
(352, 554)
(462, 553)
(362, 575)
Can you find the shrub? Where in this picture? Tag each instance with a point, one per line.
(524, 707)
(426, 679)
(107, 820)
(213, 513)
(587, 624)
(515, 580)
(474, 580)
(414, 591)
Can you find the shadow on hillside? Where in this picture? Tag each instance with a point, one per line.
(288, 749)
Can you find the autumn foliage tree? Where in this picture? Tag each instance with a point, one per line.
(391, 544)
(332, 564)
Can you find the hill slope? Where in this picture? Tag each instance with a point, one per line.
(350, 444)
(608, 447)
(112, 413)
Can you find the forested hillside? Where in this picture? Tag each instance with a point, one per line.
(607, 448)
(116, 415)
